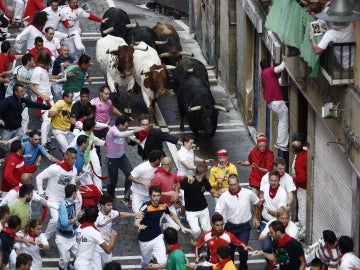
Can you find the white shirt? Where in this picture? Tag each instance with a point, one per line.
(53, 18)
(33, 250)
(104, 224)
(347, 260)
(87, 239)
(28, 35)
(236, 209)
(275, 203)
(291, 229)
(53, 45)
(185, 155)
(58, 178)
(286, 182)
(40, 78)
(143, 172)
(339, 36)
(73, 16)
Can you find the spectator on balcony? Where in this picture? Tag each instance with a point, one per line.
(337, 33)
(275, 101)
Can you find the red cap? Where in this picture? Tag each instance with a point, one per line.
(222, 153)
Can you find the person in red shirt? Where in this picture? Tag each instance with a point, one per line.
(299, 174)
(32, 7)
(15, 168)
(170, 186)
(275, 101)
(2, 6)
(39, 47)
(6, 57)
(215, 238)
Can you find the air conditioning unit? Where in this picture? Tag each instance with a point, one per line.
(330, 110)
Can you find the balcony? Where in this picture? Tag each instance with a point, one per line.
(337, 62)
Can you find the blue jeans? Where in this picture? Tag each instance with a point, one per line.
(114, 164)
(267, 245)
(7, 134)
(242, 232)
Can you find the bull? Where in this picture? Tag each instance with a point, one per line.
(118, 23)
(150, 75)
(195, 100)
(142, 33)
(171, 51)
(116, 62)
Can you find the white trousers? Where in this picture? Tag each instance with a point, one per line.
(100, 257)
(154, 248)
(45, 127)
(138, 200)
(25, 120)
(54, 215)
(75, 44)
(281, 110)
(65, 245)
(91, 178)
(301, 197)
(194, 218)
(63, 137)
(18, 6)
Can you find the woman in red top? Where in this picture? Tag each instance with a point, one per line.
(261, 160)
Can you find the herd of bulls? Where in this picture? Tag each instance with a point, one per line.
(129, 54)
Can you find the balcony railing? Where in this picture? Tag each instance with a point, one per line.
(337, 63)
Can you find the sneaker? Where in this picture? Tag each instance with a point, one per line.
(193, 241)
(282, 148)
(49, 146)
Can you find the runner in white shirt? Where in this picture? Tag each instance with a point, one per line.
(37, 240)
(141, 176)
(286, 180)
(104, 224)
(58, 175)
(51, 42)
(88, 238)
(347, 257)
(274, 196)
(186, 157)
(41, 91)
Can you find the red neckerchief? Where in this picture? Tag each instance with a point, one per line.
(87, 224)
(283, 240)
(236, 193)
(9, 231)
(63, 164)
(273, 191)
(142, 135)
(162, 170)
(222, 263)
(173, 248)
(33, 236)
(215, 233)
(227, 164)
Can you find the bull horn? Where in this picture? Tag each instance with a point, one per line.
(165, 55)
(111, 51)
(108, 31)
(140, 48)
(190, 70)
(186, 53)
(130, 25)
(170, 67)
(221, 108)
(210, 67)
(196, 108)
(161, 42)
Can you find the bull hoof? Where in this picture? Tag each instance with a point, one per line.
(128, 110)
